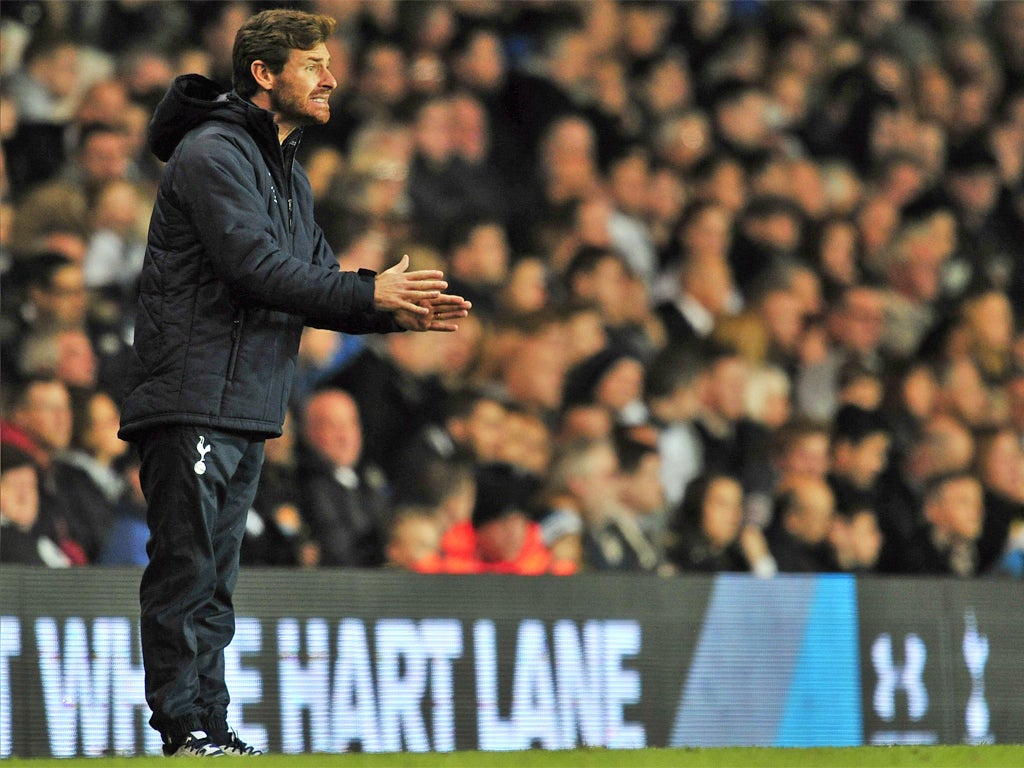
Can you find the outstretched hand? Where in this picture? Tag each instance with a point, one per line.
(437, 314)
(396, 290)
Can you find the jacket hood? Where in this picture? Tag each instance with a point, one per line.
(191, 100)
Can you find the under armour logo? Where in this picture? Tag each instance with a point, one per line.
(975, 655)
(203, 448)
(892, 677)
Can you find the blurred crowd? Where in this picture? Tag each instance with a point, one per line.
(748, 285)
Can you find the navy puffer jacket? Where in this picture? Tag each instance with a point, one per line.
(235, 266)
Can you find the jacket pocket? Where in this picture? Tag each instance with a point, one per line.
(237, 325)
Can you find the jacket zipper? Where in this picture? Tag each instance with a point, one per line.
(236, 342)
(288, 157)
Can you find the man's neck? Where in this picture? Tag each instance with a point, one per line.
(262, 100)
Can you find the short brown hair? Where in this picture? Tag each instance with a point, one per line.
(270, 36)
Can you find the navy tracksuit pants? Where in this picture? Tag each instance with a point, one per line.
(199, 484)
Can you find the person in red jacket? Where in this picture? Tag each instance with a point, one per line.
(500, 537)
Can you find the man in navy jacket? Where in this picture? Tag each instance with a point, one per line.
(235, 267)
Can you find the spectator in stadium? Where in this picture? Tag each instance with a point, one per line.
(532, 371)
(703, 531)
(768, 396)
(64, 352)
(244, 281)
(473, 137)
(585, 481)
(500, 537)
(769, 233)
(854, 325)
(20, 541)
(479, 64)
(947, 541)
(999, 465)
(45, 85)
(856, 384)
(912, 267)
(528, 442)
(396, 385)
(910, 400)
(527, 288)
(945, 445)
(671, 393)
(478, 259)
(39, 423)
(988, 334)
(611, 380)
(56, 299)
(473, 430)
(833, 246)
(89, 472)
(414, 540)
(855, 538)
(125, 542)
(984, 229)
(860, 449)
(275, 532)
(342, 498)
(731, 442)
(641, 492)
(962, 392)
(706, 294)
(103, 154)
(798, 536)
(567, 173)
(116, 243)
(437, 193)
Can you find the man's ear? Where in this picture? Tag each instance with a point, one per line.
(262, 75)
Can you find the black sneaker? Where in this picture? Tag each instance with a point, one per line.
(196, 744)
(230, 744)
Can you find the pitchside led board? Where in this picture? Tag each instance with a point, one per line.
(333, 661)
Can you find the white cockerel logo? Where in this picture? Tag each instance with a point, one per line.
(203, 448)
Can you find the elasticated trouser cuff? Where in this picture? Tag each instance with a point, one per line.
(216, 725)
(179, 730)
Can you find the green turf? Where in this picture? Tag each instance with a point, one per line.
(851, 757)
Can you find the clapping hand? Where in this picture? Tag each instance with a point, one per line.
(440, 311)
(395, 289)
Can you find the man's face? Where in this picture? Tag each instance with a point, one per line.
(958, 509)
(46, 415)
(728, 384)
(485, 429)
(105, 156)
(301, 92)
(869, 459)
(807, 457)
(501, 540)
(862, 319)
(642, 491)
(815, 506)
(65, 300)
(414, 540)
(19, 496)
(333, 428)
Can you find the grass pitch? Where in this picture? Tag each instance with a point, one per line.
(733, 757)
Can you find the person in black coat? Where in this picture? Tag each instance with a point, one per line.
(798, 534)
(703, 532)
(235, 267)
(341, 499)
(947, 543)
